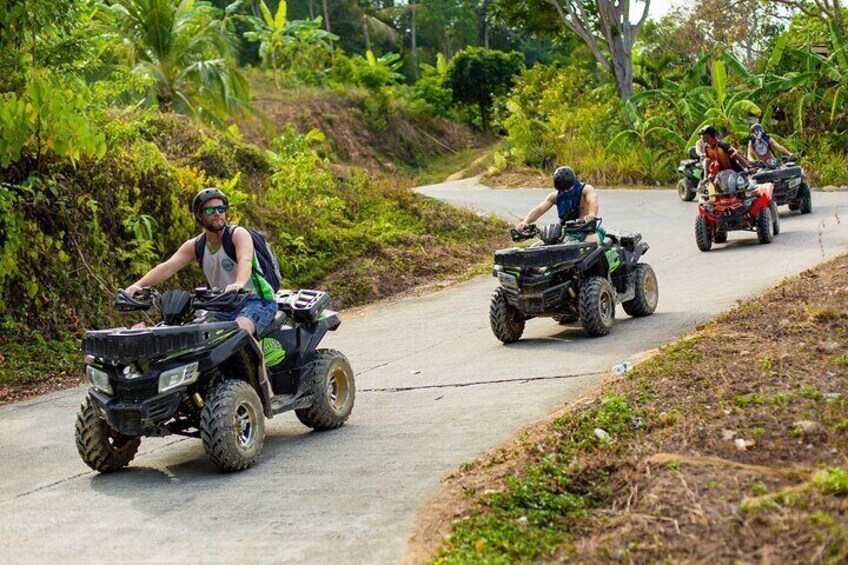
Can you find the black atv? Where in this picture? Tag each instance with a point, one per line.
(194, 376)
(566, 279)
(790, 184)
(692, 171)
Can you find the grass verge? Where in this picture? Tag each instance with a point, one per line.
(727, 446)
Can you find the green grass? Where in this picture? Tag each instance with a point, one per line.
(531, 518)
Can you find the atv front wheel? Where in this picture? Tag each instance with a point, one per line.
(100, 446)
(703, 237)
(720, 236)
(333, 391)
(805, 204)
(232, 425)
(647, 292)
(597, 306)
(765, 225)
(775, 217)
(506, 321)
(684, 191)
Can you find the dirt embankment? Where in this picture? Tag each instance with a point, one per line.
(360, 132)
(730, 445)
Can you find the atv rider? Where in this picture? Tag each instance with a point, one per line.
(210, 210)
(573, 201)
(763, 148)
(719, 151)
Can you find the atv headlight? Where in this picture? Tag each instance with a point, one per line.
(100, 379)
(178, 376)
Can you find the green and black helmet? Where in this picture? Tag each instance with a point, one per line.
(203, 196)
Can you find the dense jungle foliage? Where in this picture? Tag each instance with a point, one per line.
(113, 112)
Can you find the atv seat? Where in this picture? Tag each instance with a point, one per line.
(279, 319)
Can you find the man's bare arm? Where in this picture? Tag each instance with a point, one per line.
(538, 211)
(165, 270)
(589, 203)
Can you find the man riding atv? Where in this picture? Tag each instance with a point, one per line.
(761, 147)
(715, 150)
(573, 201)
(230, 273)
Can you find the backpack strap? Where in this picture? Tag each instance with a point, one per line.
(200, 248)
(227, 242)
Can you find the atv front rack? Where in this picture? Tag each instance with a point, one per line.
(125, 346)
(545, 256)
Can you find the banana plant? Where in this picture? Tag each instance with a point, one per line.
(646, 131)
(278, 36)
(725, 107)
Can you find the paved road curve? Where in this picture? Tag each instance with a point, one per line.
(350, 496)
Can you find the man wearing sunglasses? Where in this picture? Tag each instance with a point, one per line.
(210, 210)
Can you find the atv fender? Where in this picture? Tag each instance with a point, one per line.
(595, 263)
(637, 253)
(243, 354)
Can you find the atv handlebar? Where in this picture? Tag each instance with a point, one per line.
(570, 226)
(217, 300)
(143, 299)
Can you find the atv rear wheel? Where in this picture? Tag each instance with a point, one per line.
(765, 225)
(703, 237)
(330, 380)
(506, 321)
(232, 425)
(805, 199)
(647, 292)
(100, 446)
(684, 191)
(597, 306)
(775, 216)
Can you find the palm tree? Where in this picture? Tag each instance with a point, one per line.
(183, 48)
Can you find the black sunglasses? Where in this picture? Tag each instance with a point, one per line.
(222, 209)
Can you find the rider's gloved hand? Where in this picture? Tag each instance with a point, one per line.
(132, 290)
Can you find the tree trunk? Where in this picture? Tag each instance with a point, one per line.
(412, 5)
(366, 33)
(326, 17)
(274, 68)
(311, 9)
(614, 34)
(484, 115)
(485, 22)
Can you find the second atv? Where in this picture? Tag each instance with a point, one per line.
(569, 280)
(732, 203)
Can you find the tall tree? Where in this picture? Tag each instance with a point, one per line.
(829, 11)
(605, 26)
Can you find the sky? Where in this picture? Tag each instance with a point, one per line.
(658, 8)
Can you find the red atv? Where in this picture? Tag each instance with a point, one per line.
(731, 202)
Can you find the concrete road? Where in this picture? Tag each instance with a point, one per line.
(435, 390)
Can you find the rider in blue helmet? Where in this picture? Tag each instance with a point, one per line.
(573, 199)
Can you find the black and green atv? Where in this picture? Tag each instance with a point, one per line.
(568, 279)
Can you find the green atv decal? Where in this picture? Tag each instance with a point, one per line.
(273, 351)
(614, 259)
